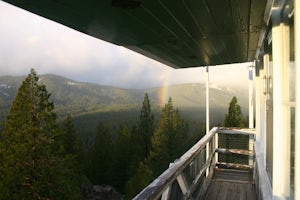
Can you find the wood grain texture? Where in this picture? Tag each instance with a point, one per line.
(231, 185)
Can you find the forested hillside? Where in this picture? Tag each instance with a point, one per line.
(77, 98)
(119, 137)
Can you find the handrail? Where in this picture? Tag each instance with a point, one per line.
(226, 130)
(161, 185)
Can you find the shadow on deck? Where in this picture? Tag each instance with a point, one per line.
(231, 184)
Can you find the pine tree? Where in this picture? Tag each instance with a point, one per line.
(100, 157)
(141, 134)
(167, 143)
(169, 140)
(136, 150)
(234, 117)
(71, 140)
(146, 125)
(33, 160)
(140, 180)
(122, 158)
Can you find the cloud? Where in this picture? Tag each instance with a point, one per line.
(188, 75)
(234, 75)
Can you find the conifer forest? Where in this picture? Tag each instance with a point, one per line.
(43, 156)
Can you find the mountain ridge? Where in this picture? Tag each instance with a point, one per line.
(76, 98)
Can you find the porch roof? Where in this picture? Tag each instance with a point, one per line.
(185, 33)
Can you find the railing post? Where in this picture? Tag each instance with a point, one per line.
(166, 194)
(216, 147)
(251, 148)
(182, 184)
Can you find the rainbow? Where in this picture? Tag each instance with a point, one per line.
(164, 92)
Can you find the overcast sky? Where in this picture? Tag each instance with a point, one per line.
(29, 41)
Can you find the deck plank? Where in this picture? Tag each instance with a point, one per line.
(231, 185)
(214, 190)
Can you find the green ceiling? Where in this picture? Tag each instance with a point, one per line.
(179, 33)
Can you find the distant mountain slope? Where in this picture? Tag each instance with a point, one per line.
(9, 86)
(72, 97)
(75, 97)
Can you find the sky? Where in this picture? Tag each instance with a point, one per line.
(29, 41)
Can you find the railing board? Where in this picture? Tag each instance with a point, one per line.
(235, 131)
(235, 151)
(234, 166)
(237, 176)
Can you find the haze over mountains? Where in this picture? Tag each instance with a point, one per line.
(78, 98)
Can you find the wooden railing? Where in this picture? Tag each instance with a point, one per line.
(190, 175)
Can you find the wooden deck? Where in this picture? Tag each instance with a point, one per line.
(231, 185)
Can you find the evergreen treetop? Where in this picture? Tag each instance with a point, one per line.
(234, 117)
(33, 160)
(146, 124)
(169, 139)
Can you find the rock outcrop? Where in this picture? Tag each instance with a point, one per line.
(103, 192)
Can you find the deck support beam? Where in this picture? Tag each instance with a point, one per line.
(207, 100)
(258, 94)
(250, 70)
(251, 123)
(281, 117)
(207, 114)
(264, 89)
(264, 187)
(261, 92)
